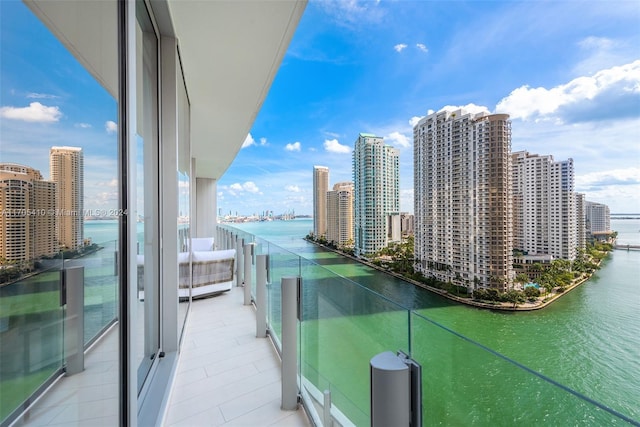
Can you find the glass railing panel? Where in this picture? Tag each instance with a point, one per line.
(100, 287)
(465, 383)
(343, 326)
(31, 335)
(282, 263)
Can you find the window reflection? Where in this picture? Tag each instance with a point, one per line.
(184, 201)
(147, 194)
(59, 204)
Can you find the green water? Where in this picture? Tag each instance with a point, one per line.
(588, 341)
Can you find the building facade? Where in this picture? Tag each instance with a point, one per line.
(581, 224)
(28, 220)
(67, 171)
(597, 218)
(407, 223)
(376, 172)
(463, 208)
(340, 214)
(320, 188)
(544, 205)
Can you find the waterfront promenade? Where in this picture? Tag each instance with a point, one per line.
(539, 303)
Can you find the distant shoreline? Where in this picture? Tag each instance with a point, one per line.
(527, 306)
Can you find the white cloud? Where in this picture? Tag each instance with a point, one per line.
(35, 112)
(400, 47)
(353, 13)
(413, 121)
(82, 125)
(626, 176)
(292, 188)
(35, 95)
(248, 141)
(609, 93)
(111, 127)
(471, 108)
(592, 42)
(293, 147)
(249, 187)
(398, 140)
(333, 146)
(263, 141)
(422, 47)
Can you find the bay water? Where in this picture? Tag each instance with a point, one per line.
(588, 340)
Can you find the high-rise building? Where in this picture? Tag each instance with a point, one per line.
(376, 176)
(597, 218)
(407, 223)
(67, 171)
(581, 225)
(320, 188)
(544, 205)
(28, 220)
(462, 187)
(340, 213)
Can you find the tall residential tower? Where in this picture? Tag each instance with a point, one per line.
(28, 220)
(320, 188)
(462, 186)
(544, 205)
(67, 171)
(376, 171)
(597, 218)
(340, 213)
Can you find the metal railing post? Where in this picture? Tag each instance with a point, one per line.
(239, 261)
(326, 410)
(73, 290)
(248, 278)
(290, 289)
(262, 264)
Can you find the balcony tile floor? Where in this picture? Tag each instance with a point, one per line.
(226, 376)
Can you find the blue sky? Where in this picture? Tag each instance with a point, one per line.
(567, 72)
(48, 99)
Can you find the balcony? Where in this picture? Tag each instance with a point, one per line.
(225, 375)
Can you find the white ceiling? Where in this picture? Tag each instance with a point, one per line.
(230, 52)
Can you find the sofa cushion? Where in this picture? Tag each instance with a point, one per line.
(199, 256)
(202, 244)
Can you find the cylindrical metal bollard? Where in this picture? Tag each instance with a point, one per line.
(289, 343)
(261, 295)
(248, 278)
(73, 287)
(390, 391)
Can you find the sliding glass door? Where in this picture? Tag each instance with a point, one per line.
(145, 324)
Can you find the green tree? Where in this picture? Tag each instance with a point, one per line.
(513, 296)
(521, 278)
(531, 292)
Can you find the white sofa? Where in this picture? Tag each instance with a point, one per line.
(211, 270)
(212, 273)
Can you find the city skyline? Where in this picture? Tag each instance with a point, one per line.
(567, 73)
(571, 85)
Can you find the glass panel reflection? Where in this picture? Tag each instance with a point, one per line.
(184, 202)
(59, 199)
(147, 307)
